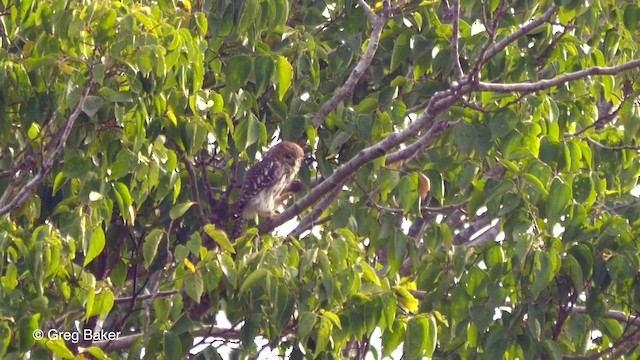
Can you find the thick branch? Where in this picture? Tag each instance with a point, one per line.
(49, 160)
(439, 103)
(547, 84)
(378, 22)
(367, 10)
(466, 234)
(309, 220)
(488, 235)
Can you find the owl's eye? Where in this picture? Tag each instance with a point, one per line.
(287, 156)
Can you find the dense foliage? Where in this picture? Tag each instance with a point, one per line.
(468, 192)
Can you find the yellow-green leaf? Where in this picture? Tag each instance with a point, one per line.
(285, 76)
(219, 237)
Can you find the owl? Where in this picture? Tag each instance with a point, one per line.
(265, 182)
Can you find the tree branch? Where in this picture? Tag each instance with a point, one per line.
(616, 351)
(423, 143)
(194, 187)
(455, 52)
(611, 148)
(487, 236)
(47, 162)
(439, 103)
(546, 84)
(309, 220)
(378, 22)
(127, 341)
(497, 48)
(158, 295)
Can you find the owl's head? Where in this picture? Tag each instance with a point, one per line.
(287, 152)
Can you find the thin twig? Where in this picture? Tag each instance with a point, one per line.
(126, 342)
(158, 295)
(455, 52)
(611, 148)
(424, 142)
(601, 120)
(488, 54)
(195, 194)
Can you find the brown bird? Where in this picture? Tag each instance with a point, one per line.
(265, 182)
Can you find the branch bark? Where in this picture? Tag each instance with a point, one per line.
(47, 162)
(455, 52)
(547, 84)
(378, 22)
(127, 341)
(439, 103)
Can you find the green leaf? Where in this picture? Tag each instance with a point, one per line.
(335, 320)
(432, 336)
(367, 105)
(464, 136)
(584, 190)
(92, 104)
(571, 266)
(247, 132)
(400, 51)
(264, 68)
(285, 75)
(306, 322)
(293, 128)
(281, 14)
(95, 246)
(253, 279)
(502, 123)
(248, 13)
(416, 337)
(408, 189)
(552, 349)
(194, 286)
(481, 316)
(108, 300)
(238, 70)
(631, 16)
(178, 210)
(75, 166)
(535, 183)
(58, 348)
(542, 273)
(219, 237)
(324, 335)
(559, 198)
(26, 327)
(172, 346)
(150, 246)
(497, 343)
(392, 339)
(5, 338)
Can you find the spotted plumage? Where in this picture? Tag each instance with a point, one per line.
(265, 182)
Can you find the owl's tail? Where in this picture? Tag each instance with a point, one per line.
(237, 226)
